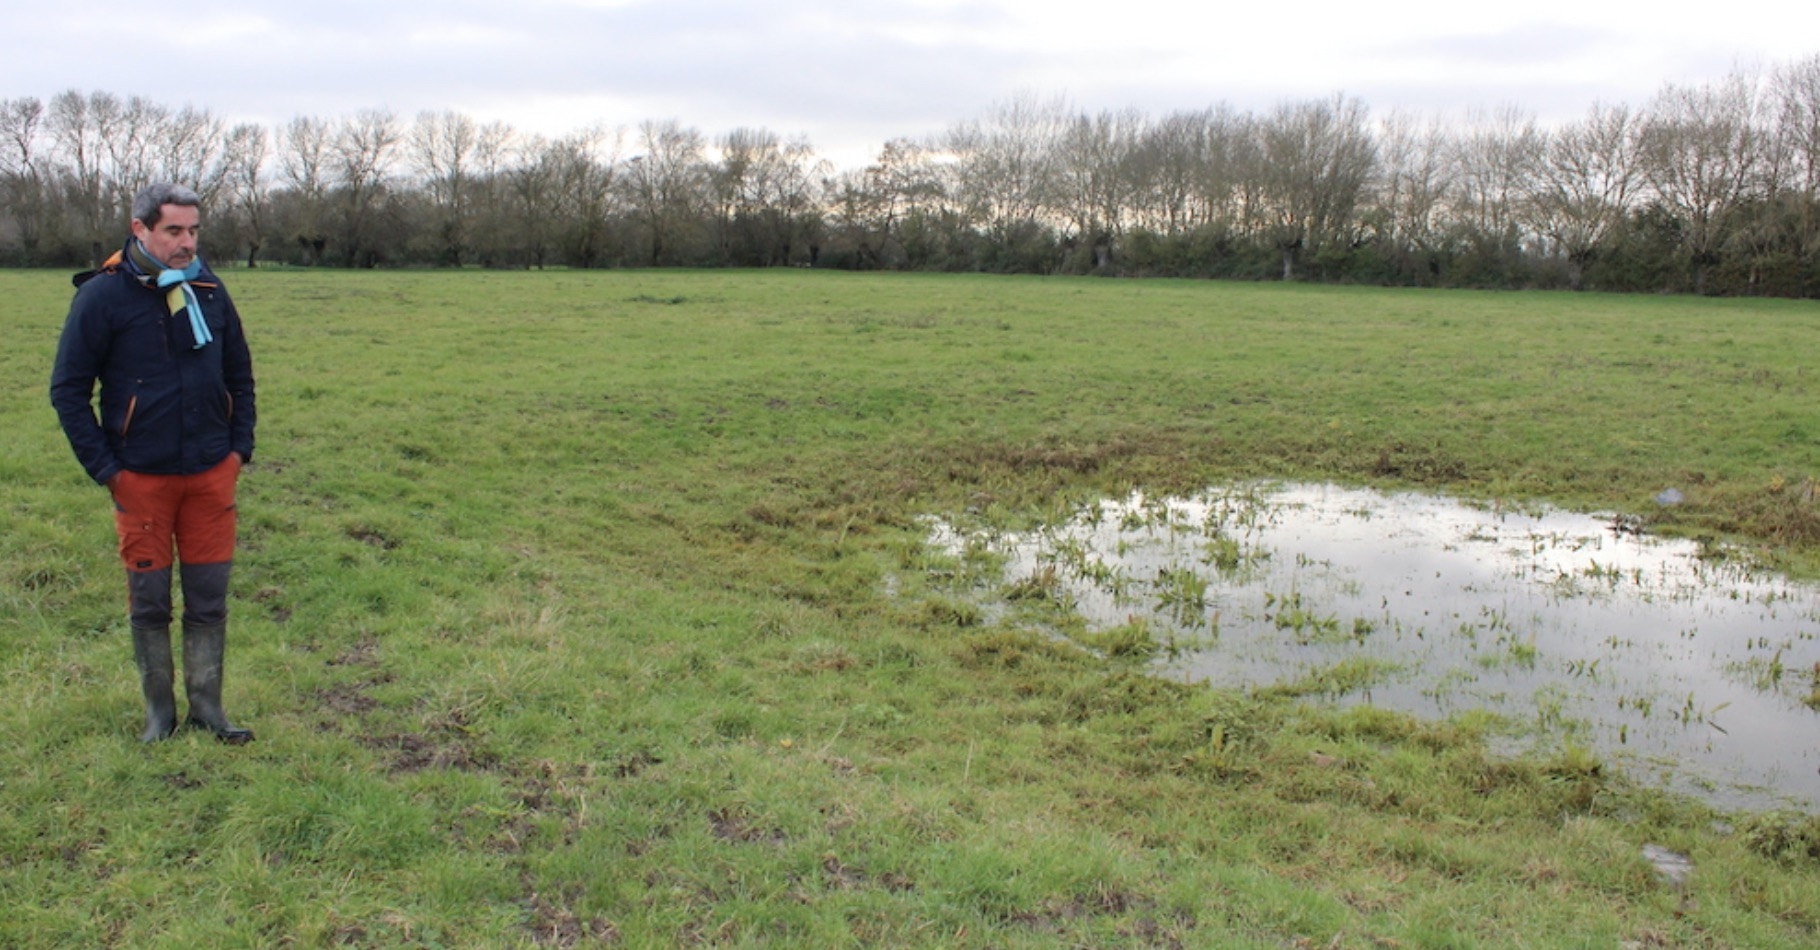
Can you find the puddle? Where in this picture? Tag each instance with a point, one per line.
(1694, 673)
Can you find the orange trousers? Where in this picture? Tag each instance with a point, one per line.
(166, 518)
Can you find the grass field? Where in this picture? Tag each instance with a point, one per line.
(593, 609)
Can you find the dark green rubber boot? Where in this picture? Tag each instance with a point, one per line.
(204, 646)
(152, 655)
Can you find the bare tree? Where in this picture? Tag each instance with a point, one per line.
(590, 186)
(1163, 171)
(303, 167)
(1701, 148)
(191, 146)
(1093, 186)
(577, 178)
(442, 147)
(735, 184)
(1318, 159)
(1586, 184)
(763, 186)
(131, 134)
(1003, 163)
(1796, 94)
(20, 122)
(77, 137)
(531, 200)
(1185, 168)
(667, 183)
(243, 185)
(1495, 164)
(362, 154)
(792, 197)
(1413, 185)
(892, 207)
(494, 151)
(25, 189)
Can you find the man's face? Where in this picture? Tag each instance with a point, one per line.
(173, 239)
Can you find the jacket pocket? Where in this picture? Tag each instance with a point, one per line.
(126, 420)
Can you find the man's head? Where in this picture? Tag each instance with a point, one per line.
(166, 219)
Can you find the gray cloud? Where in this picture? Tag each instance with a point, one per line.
(848, 75)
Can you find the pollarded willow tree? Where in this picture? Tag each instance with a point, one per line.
(898, 212)
(75, 124)
(303, 182)
(243, 162)
(1415, 179)
(1318, 159)
(1586, 182)
(363, 154)
(1497, 162)
(1171, 166)
(1795, 203)
(1000, 171)
(1701, 149)
(666, 183)
(27, 185)
(764, 188)
(1094, 179)
(442, 147)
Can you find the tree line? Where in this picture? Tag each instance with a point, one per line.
(1709, 188)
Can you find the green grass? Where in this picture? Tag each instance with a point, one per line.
(591, 609)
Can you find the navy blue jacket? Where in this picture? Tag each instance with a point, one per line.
(167, 408)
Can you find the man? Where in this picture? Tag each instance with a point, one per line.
(159, 333)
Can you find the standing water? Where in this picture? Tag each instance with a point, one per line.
(1695, 672)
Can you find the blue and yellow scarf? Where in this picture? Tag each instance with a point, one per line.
(176, 282)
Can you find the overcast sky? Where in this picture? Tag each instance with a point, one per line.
(849, 74)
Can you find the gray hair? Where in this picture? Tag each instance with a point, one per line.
(148, 204)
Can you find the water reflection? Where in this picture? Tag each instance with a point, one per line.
(1687, 671)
